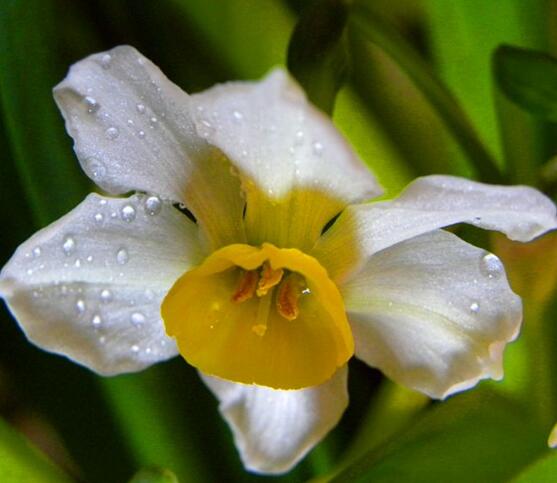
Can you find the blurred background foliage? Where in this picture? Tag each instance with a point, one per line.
(418, 87)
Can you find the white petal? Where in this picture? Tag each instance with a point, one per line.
(521, 212)
(132, 129)
(89, 286)
(433, 313)
(273, 429)
(285, 150)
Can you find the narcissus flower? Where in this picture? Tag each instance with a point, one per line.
(268, 293)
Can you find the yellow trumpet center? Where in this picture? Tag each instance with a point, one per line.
(260, 315)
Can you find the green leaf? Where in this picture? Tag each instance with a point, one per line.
(543, 469)
(366, 25)
(20, 462)
(317, 53)
(154, 475)
(478, 436)
(528, 78)
(28, 70)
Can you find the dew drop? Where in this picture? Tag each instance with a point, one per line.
(153, 205)
(77, 263)
(112, 133)
(137, 319)
(89, 258)
(106, 59)
(95, 168)
(96, 321)
(491, 266)
(237, 115)
(474, 307)
(127, 213)
(80, 306)
(140, 108)
(299, 138)
(68, 246)
(92, 105)
(141, 134)
(317, 148)
(130, 122)
(37, 252)
(153, 121)
(122, 256)
(134, 348)
(102, 339)
(99, 217)
(206, 128)
(149, 294)
(106, 296)
(29, 271)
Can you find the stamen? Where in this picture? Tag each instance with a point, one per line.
(269, 278)
(260, 326)
(288, 294)
(246, 286)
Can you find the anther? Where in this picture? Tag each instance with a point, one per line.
(288, 294)
(246, 286)
(268, 279)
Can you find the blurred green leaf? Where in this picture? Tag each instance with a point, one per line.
(478, 436)
(542, 470)
(368, 26)
(248, 37)
(528, 78)
(154, 475)
(317, 54)
(21, 462)
(46, 166)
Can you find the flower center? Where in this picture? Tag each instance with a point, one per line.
(260, 315)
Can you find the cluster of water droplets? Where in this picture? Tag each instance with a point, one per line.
(95, 305)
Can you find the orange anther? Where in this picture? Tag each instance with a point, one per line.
(246, 286)
(268, 279)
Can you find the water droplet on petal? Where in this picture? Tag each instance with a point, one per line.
(92, 105)
(299, 138)
(153, 121)
(317, 148)
(106, 296)
(122, 256)
(153, 205)
(68, 246)
(89, 258)
(141, 134)
(102, 339)
(99, 217)
(134, 348)
(95, 168)
(137, 319)
(106, 59)
(474, 307)
(237, 115)
(37, 252)
(80, 306)
(96, 320)
(491, 266)
(206, 128)
(112, 133)
(140, 108)
(77, 263)
(127, 213)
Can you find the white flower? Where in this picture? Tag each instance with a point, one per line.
(256, 292)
